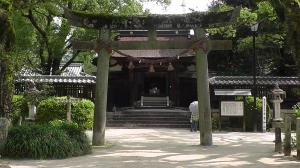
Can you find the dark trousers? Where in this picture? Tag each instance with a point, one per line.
(194, 126)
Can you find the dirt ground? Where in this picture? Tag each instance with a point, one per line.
(172, 148)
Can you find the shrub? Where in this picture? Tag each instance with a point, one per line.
(215, 123)
(248, 110)
(296, 108)
(50, 109)
(46, 141)
(55, 109)
(19, 108)
(37, 141)
(83, 113)
(79, 139)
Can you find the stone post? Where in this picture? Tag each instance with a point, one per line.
(31, 111)
(298, 138)
(69, 103)
(287, 148)
(4, 125)
(264, 114)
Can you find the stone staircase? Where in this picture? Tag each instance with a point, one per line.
(161, 118)
(154, 102)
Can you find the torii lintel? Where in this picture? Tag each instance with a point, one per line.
(159, 22)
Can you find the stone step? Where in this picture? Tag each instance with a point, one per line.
(175, 118)
(133, 125)
(165, 118)
(150, 121)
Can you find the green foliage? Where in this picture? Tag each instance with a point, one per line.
(46, 141)
(79, 139)
(269, 40)
(54, 108)
(50, 109)
(48, 33)
(296, 108)
(19, 108)
(37, 141)
(249, 108)
(82, 113)
(215, 123)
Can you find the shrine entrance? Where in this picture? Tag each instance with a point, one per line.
(155, 84)
(104, 46)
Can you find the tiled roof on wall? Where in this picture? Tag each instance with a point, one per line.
(72, 74)
(248, 80)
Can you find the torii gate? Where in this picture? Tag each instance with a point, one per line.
(104, 45)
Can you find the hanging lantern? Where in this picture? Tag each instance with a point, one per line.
(151, 68)
(131, 66)
(170, 67)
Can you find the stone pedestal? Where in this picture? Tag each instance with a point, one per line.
(277, 125)
(4, 125)
(287, 147)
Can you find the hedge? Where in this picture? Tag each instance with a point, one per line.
(56, 108)
(55, 141)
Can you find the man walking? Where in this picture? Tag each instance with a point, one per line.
(194, 116)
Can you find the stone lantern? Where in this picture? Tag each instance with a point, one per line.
(32, 92)
(277, 97)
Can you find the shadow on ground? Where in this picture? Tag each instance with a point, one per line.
(169, 148)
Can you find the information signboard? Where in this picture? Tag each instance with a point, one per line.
(232, 108)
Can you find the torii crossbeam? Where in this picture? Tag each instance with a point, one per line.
(103, 46)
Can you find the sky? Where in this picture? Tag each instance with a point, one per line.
(176, 6)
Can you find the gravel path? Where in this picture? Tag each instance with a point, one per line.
(173, 148)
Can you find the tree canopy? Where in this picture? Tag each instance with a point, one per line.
(276, 54)
(44, 35)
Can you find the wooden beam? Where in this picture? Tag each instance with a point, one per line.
(148, 45)
(219, 44)
(83, 45)
(135, 45)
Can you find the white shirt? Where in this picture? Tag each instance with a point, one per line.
(193, 106)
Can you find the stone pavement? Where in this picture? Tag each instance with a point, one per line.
(173, 148)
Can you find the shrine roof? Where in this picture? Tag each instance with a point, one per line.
(74, 73)
(57, 79)
(248, 80)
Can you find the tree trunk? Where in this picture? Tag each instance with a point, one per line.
(7, 39)
(6, 87)
(101, 91)
(203, 92)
